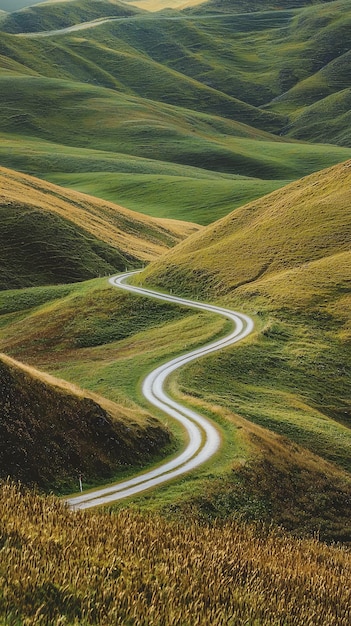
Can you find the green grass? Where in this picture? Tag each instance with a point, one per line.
(291, 272)
(181, 197)
(80, 104)
(63, 432)
(53, 15)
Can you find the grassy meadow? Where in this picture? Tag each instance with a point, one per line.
(192, 115)
(91, 109)
(79, 568)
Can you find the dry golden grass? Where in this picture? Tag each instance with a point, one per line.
(52, 431)
(134, 415)
(303, 222)
(77, 568)
(138, 235)
(159, 5)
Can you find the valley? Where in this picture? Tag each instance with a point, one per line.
(198, 155)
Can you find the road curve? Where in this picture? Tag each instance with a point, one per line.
(203, 437)
(104, 20)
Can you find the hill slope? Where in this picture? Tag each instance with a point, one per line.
(54, 15)
(285, 259)
(51, 235)
(305, 222)
(51, 431)
(231, 572)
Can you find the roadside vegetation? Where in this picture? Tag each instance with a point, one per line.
(53, 432)
(285, 260)
(80, 568)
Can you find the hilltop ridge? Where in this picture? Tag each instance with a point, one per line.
(52, 235)
(306, 221)
(51, 431)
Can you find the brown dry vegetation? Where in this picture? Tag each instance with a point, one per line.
(52, 235)
(286, 260)
(306, 221)
(77, 568)
(51, 431)
(274, 481)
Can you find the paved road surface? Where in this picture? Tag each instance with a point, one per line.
(203, 437)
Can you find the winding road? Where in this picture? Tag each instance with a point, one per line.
(203, 438)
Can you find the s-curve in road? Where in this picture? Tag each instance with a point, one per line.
(203, 438)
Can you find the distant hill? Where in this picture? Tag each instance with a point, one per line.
(50, 431)
(227, 94)
(51, 235)
(248, 6)
(53, 15)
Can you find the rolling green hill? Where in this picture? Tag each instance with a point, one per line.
(304, 222)
(286, 260)
(178, 90)
(51, 432)
(53, 15)
(50, 235)
(247, 6)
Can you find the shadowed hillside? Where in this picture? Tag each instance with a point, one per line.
(51, 431)
(51, 235)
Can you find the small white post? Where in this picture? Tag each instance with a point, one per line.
(80, 483)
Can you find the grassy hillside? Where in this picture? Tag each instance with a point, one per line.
(54, 15)
(50, 235)
(305, 222)
(317, 95)
(286, 260)
(202, 97)
(171, 572)
(247, 6)
(51, 432)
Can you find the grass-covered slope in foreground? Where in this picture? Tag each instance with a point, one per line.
(286, 260)
(80, 568)
(51, 235)
(50, 431)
